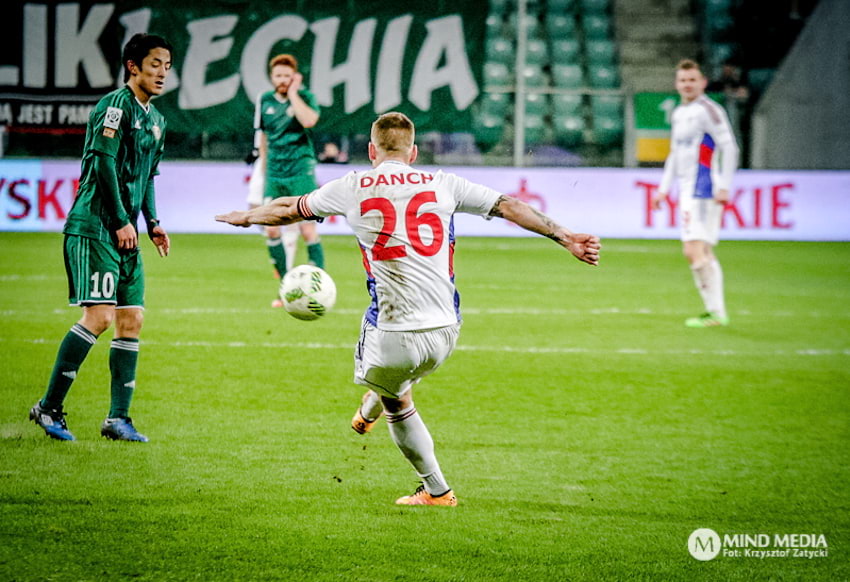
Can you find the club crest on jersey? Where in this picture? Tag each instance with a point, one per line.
(112, 119)
(290, 112)
(157, 132)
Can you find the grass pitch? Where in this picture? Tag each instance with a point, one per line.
(584, 429)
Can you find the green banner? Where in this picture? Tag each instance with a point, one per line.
(360, 59)
(653, 110)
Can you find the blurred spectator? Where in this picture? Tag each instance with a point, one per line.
(331, 154)
(730, 83)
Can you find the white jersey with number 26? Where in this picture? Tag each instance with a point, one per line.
(402, 217)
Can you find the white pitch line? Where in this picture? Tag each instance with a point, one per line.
(474, 348)
(498, 311)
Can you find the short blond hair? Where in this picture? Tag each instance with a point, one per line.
(688, 65)
(393, 132)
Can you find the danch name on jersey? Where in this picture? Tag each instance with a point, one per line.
(395, 179)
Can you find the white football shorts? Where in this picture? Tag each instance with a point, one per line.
(391, 362)
(256, 186)
(700, 219)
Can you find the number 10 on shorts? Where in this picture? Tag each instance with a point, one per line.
(102, 286)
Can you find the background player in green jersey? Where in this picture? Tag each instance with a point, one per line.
(282, 120)
(123, 147)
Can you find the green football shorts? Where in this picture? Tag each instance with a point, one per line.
(278, 187)
(99, 274)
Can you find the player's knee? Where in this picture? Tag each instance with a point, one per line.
(129, 322)
(273, 231)
(98, 319)
(694, 254)
(393, 405)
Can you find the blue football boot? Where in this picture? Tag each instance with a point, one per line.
(52, 420)
(121, 429)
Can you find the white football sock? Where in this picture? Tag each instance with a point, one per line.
(716, 301)
(371, 407)
(414, 441)
(708, 277)
(290, 243)
(701, 277)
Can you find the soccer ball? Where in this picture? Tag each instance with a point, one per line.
(307, 292)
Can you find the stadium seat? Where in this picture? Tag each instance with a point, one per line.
(495, 104)
(719, 53)
(603, 77)
(601, 51)
(561, 6)
(497, 75)
(566, 52)
(535, 129)
(567, 105)
(495, 25)
(536, 104)
(606, 106)
(499, 49)
(532, 25)
(569, 130)
(607, 131)
(596, 26)
(567, 76)
(488, 130)
(534, 76)
(595, 6)
(500, 6)
(716, 6)
(561, 27)
(536, 52)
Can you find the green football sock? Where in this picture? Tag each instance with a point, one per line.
(72, 352)
(316, 255)
(123, 357)
(278, 254)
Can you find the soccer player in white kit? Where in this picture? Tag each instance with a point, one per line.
(402, 218)
(703, 158)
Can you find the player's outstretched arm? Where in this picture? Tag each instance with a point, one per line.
(584, 247)
(279, 211)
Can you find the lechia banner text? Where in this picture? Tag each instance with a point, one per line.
(359, 59)
(765, 205)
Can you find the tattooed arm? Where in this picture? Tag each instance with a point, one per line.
(584, 247)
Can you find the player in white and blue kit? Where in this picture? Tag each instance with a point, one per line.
(703, 159)
(403, 220)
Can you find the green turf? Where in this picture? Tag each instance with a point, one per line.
(585, 430)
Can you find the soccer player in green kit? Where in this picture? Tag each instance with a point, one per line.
(282, 120)
(123, 147)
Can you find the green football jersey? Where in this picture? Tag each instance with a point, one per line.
(290, 146)
(121, 128)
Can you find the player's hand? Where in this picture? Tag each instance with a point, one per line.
(236, 218)
(656, 201)
(160, 238)
(295, 84)
(721, 197)
(128, 238)
(584, 247)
